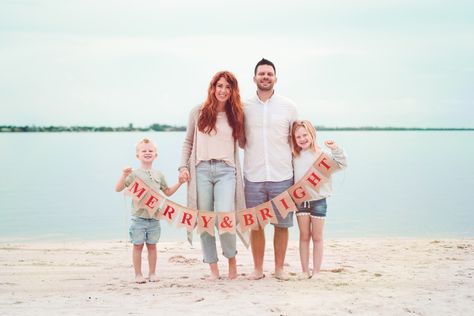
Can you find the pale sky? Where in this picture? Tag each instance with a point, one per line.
(344, 63)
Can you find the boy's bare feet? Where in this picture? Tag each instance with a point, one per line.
(213, 277)
(214, 272)
(153, 278)
(139, 279)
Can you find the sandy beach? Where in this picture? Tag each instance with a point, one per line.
(359, 277)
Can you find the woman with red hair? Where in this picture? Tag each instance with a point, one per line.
(210, 163)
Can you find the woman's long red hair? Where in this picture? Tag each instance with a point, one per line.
(233, 107)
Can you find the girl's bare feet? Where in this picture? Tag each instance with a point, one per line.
(139, 279)
(153, 278)
(304, 276)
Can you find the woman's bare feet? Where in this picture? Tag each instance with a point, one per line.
(232, 269)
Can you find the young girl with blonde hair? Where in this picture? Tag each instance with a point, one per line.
(311, 214)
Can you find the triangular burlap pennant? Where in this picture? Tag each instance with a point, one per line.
(152, 202)
(244, 236)
(169, 211)
(226, 222)
(187, 218)
(266, 214)
(326, 165)
(137, 189)
(206, 222)
(284, 204)
(298, 192)
(314, 179)
(247, 219)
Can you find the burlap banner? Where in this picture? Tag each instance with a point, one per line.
(229, 222)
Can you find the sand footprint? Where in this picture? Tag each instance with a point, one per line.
(182, 259)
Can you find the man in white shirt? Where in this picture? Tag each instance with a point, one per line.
(268, 169)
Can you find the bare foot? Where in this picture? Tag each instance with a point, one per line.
(304, 276)
(233, 275)
(315, 275)
(256, 276)
(232, 269)
(139, 279)
(214, 272)
(153, 278)
(213, 277)
(282, 276)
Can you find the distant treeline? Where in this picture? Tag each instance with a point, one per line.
(171, 128)
(129, 128)
(373, 128)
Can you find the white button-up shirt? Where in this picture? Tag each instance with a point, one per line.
(267, 155)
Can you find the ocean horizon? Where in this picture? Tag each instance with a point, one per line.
(397, 184)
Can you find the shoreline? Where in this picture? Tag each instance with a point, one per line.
(377, 276)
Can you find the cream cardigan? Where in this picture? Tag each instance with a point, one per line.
(188, 160)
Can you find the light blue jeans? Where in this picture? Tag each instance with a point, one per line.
(216, 183)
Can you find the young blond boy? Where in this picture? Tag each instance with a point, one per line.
(143, 227)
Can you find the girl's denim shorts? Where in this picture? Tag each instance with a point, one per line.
(314, 208)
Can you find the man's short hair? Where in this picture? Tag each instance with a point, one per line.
(264, 62)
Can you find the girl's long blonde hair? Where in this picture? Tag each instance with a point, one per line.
(311, 131)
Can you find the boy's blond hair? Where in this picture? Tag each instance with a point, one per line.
(145, 141)
(311, 131)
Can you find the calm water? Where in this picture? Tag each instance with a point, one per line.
(60, 185)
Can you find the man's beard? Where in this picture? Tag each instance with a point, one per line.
(264, 88)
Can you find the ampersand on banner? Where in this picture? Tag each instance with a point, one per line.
(226, 222)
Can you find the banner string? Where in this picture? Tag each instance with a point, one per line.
(322, 168)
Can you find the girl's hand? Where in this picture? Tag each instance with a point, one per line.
(126, 171)
(184, 175)
(330, 144)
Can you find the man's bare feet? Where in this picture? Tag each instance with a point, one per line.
(153, 278)
(139, 279)
(256, 275)
(282, 276)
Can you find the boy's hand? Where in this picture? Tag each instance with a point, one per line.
(126, 171)
(330, 144)
(184, 175)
